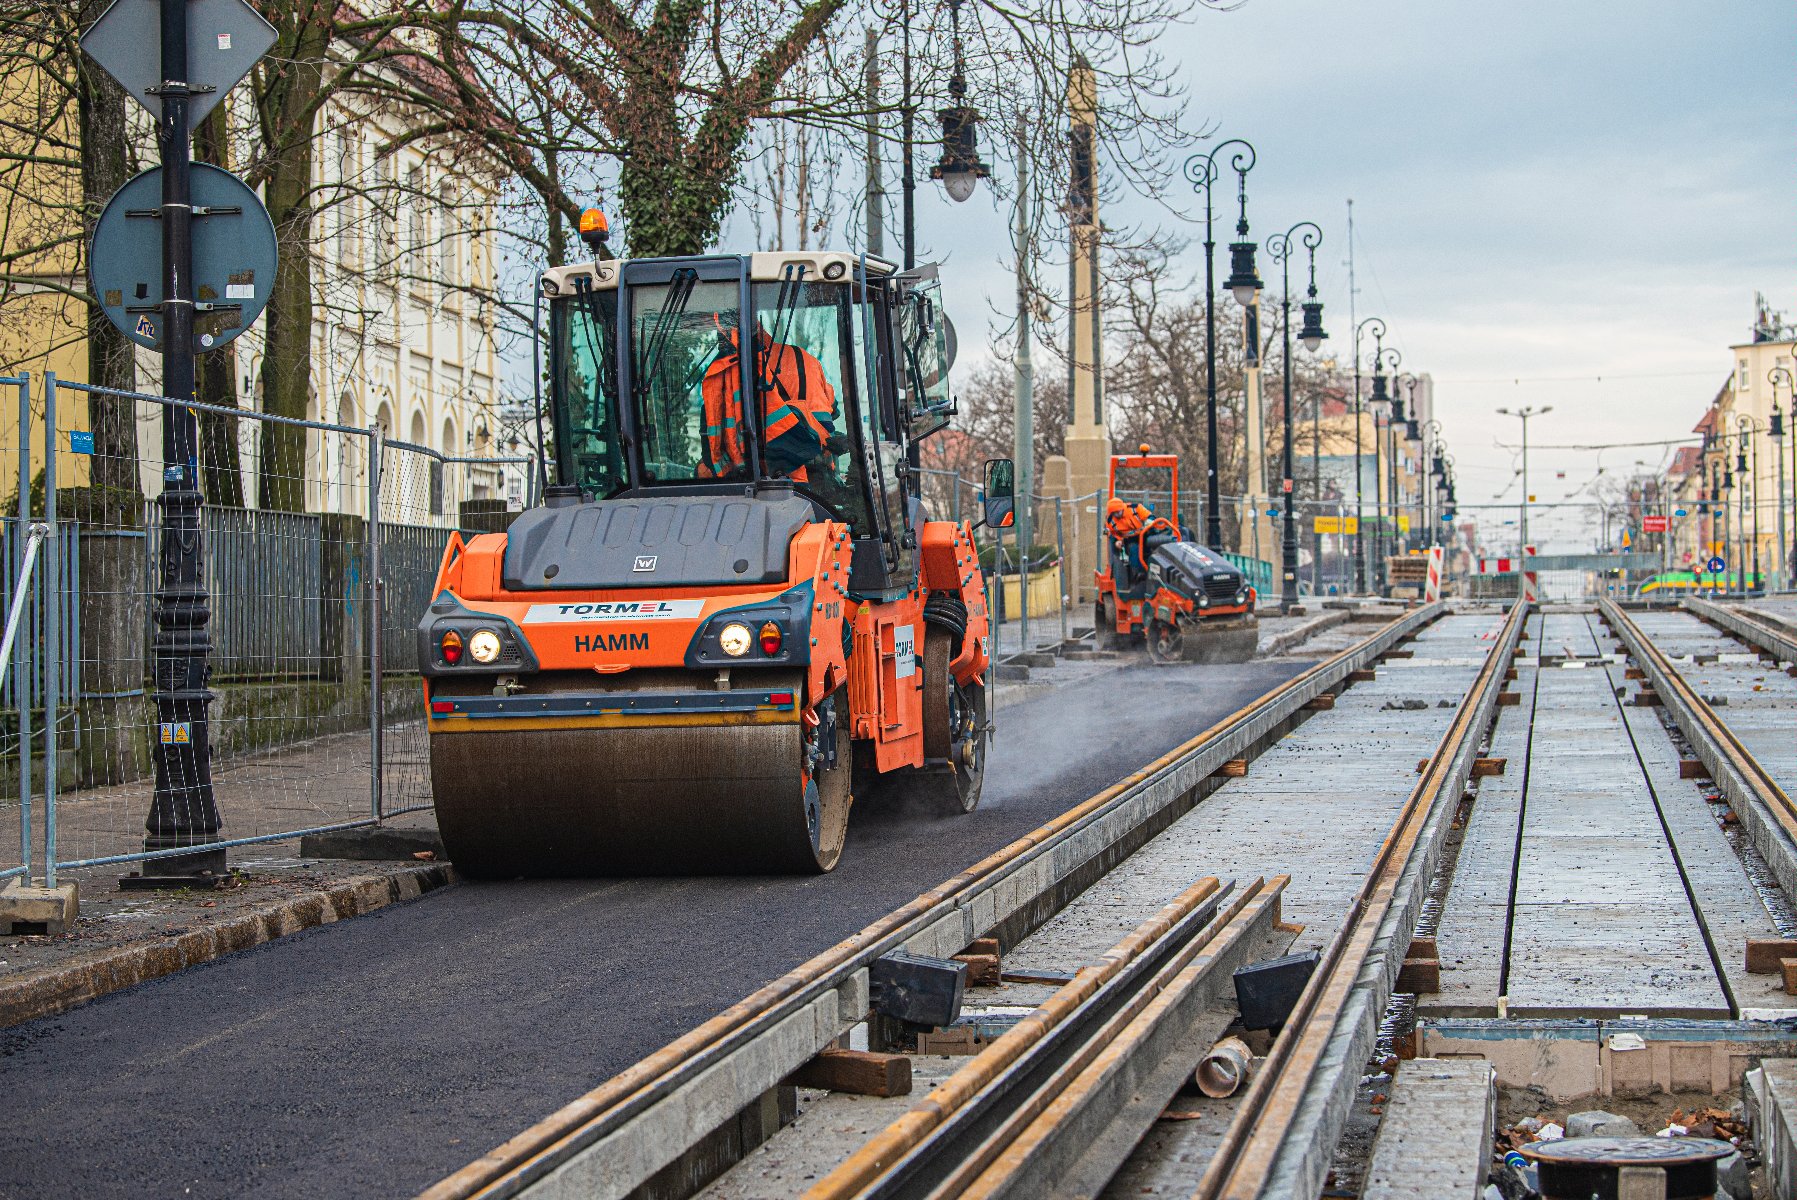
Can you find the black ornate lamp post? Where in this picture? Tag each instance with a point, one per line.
(1776, 432)
(1432, 468)
(1279, 246)
(1384, 405)
(1378, 328)
(1201, 170)
(1750, 497)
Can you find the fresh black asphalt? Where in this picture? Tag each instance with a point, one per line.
(372, 1057)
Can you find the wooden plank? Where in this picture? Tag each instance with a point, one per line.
(857, 1072)
(1789, 967)
(982, 969)
(1364, 675)
(1485, 768)
(1509, 699)
(985, 945)
(1322, 703)
(1235, 768)
(1692, 768)
(1421, 947)
(1647, 698)
(1634, 673)
(1419, 976)
(1509, 674)
(1764, 954)
(1400, 654)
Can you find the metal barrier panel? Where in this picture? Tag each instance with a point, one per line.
(286, 593)
(425, 498)
(17, 741)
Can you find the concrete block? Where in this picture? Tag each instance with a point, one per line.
(1597, 1123)
(1734, 1179)
(1435, 1141)
(38, 910)
(1776, 1130)
(373, 843)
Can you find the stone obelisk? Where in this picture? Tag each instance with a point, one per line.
(1084, 469)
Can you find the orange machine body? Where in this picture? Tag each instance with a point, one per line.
(873, 648)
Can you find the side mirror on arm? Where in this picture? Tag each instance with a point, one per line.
(999, 499)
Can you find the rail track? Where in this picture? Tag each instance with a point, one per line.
(1756, 794)
(1055, 1104)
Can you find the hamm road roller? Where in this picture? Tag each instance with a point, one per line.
(1188, 603)
(730, 615)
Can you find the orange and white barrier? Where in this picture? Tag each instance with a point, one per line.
(1432, 589)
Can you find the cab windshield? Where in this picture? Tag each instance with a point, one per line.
(687, 358)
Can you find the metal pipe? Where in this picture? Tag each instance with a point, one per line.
(376, 450)
(24, 688)
(52, 633)
(21, 591)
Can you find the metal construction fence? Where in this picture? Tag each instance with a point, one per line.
(311, 619)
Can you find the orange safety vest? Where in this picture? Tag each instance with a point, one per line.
(1124, 519)
(798, 410)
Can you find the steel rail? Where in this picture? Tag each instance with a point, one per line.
(1763, 630)
(1259, 1154)
(977, 1116)
(614, 1137)
(1764, 807)
(1072, 1136)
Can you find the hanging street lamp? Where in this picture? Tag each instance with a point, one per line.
(960, 170)
(1279, 247)
(1378, 327)
(1201, 170)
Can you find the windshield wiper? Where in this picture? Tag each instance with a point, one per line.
(786, 305)
(661, 332)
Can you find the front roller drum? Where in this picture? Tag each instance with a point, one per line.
(696, 799)
(1222, 640)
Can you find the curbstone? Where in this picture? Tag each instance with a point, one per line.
(53, 989)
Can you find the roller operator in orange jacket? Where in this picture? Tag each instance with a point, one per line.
(798, 409)
(1125, 521)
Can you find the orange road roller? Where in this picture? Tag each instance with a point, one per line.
(730, 616)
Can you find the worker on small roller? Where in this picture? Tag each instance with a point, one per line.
(1125, 521)
(798, 409)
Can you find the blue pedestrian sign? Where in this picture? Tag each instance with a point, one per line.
(1716, 565)
(1679, 512)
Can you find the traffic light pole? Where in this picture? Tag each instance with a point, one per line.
(182, 809)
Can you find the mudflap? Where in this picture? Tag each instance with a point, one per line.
(1230, 640)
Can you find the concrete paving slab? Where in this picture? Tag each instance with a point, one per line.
(1435, 1141)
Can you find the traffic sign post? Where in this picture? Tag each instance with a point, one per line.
(177, 58)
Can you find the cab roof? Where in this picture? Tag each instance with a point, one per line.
(764, 267)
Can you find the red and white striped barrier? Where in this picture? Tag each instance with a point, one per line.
(1432, 589)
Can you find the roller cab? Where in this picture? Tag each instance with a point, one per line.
(1161, 585)
(731, 613)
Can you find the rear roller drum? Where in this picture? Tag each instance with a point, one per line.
(954, 736)
(1104, 617)
(1166, 641)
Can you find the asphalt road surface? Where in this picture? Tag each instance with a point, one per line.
(372, 1057)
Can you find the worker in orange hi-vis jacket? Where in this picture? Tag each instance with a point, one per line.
(798, 409)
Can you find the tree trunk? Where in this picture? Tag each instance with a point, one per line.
(221, 479)
(287, 352)
(674, 200)
(113, 469)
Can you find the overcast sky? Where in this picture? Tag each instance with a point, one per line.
(1549, 191)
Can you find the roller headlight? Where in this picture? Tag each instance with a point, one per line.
(1241, 597)
(1204, 602)
(484, 646)
(734, 638)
